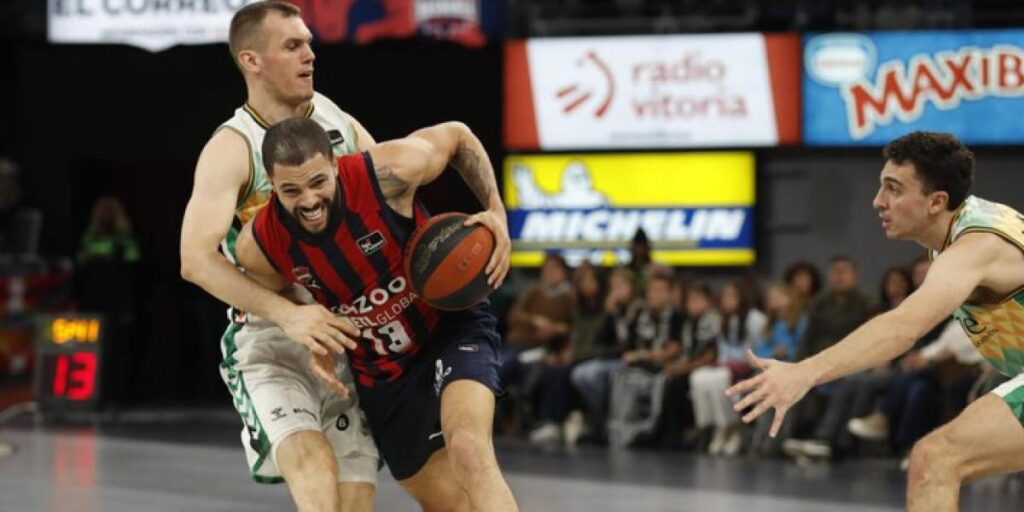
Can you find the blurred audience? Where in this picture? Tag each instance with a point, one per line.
(554, 394)
(742, 328)
(833, 315)
(599, 364)
(701, 328)
(637, 386)
(590, 378)
(538, 327)
(805, 280)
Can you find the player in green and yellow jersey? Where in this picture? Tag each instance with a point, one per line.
(977, 275)
(300, 424)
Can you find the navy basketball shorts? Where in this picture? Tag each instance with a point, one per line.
(405, 414)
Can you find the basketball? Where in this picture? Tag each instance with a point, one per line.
(446, 261)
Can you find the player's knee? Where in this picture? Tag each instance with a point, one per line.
(357, 496)
(304, 457)
(933, 459)
(470, 452)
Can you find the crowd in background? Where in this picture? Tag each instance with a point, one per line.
(640, 356)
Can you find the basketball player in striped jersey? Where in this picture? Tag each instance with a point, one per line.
(977, 275)
(427, 379)
(296, 427)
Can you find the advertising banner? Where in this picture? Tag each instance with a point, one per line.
(873, 87)
(652, 91)
(151, 25)
(696, 208)
(156, 25)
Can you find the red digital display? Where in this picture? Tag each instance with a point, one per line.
(74, 375)
(69, 362)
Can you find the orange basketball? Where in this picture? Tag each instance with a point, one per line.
(445, 261)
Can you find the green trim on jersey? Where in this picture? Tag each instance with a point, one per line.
(1015, 399)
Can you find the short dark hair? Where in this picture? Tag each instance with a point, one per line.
(842, 258)
(804, 266)
(243, 33)
(943, 162)
(293, 142)
(659, 277)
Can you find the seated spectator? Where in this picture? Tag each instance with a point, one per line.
(787, 322)
(742, 328)
(539, 324)
(805, 279)
(833, 315)
(554, 395)
(857, 394)
(699, 335)
(637, 386)
(590, 378)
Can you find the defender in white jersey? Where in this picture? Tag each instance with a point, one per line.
(977, 273)
(284, 360)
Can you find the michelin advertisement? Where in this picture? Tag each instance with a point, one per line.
(696, 208)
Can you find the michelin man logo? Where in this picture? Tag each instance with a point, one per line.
(576, 189)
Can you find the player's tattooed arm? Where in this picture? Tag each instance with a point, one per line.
(475, 170)
(391, 184)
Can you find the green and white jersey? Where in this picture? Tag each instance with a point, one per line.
(997, 329)
(248, 123)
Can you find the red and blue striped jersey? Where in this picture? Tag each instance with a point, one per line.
(354, 268)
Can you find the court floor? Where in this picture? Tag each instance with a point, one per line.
(191, 461)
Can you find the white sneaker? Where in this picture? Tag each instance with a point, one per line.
(874, 427)
(817, 449)
(572, 428)
(547, 433)
(793, 448)
(718, 440)
(733, 443)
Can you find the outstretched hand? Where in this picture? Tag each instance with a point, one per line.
(497, 266)
(778, 386)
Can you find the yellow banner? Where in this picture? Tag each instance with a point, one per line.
(633, 179)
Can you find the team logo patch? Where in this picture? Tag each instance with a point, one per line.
(336, 137)
(342, 423)
(300, 410)
(371, 243)
(278, 413)
(440, 372)
(305, 276)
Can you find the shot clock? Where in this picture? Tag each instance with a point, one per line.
(68, 362)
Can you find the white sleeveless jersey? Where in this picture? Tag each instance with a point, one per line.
(248, 123)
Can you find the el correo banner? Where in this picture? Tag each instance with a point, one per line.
(652, 91)
(869, 88)
(696, 208)
(150, 24)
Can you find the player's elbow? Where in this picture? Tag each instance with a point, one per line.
(192, 264)
(455, 132)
